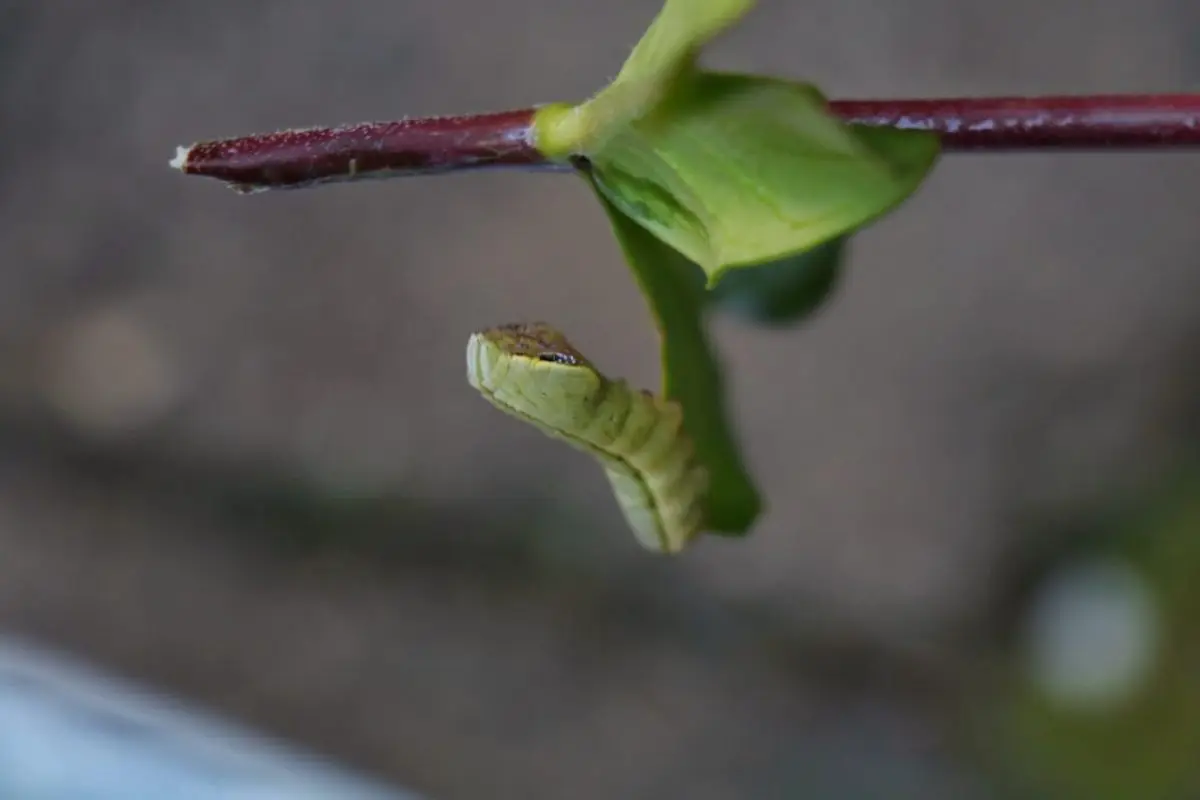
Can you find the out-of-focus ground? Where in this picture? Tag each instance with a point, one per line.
(239, 458)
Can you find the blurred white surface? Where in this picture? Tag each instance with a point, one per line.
(67, 733)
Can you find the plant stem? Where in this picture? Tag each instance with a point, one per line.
(305, 157)
(996, 124)
(309, 156)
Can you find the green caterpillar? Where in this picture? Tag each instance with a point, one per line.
(531, 371)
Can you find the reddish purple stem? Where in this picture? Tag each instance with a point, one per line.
(1109, 122)
(296, 158)
(309, 156)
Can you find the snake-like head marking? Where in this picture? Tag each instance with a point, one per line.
(531, 370)
(534, 340)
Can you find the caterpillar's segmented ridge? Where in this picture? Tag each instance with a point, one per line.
(532, 372)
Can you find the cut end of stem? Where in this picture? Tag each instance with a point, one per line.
(180, 160)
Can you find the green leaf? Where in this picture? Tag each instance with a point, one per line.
(791, 289)
(668, 48)
(675, 290)
(785, 291)
(737, 170)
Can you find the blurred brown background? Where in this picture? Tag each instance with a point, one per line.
(239, 459)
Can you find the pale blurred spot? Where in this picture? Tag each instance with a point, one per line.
(109, 375)
(1092, 635)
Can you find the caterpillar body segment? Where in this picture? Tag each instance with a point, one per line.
(531, 371)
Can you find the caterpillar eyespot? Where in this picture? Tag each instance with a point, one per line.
(530, 371)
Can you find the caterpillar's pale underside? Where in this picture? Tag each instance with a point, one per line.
(531, 371)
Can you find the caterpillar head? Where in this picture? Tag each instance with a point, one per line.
(529, 368)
